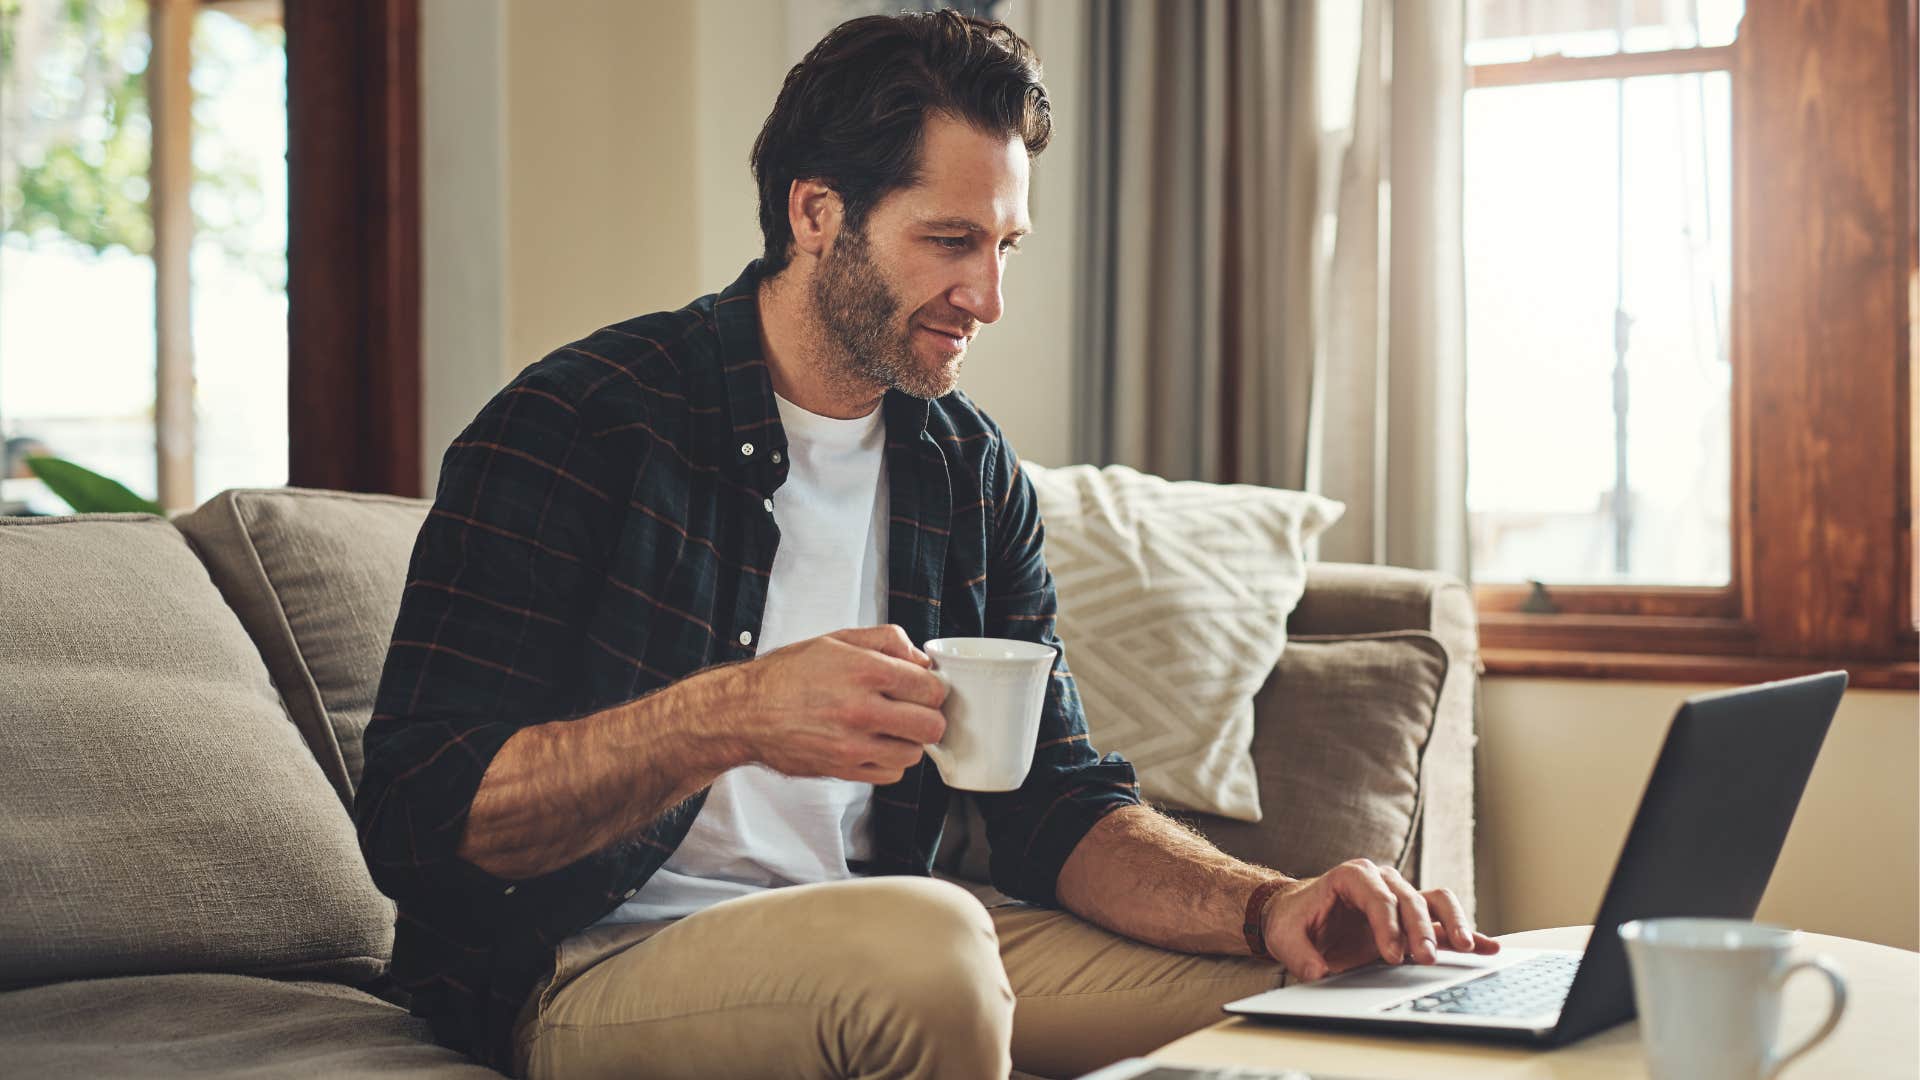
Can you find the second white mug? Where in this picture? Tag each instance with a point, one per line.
(1708, 994)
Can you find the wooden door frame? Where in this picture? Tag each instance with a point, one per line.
(353, 245)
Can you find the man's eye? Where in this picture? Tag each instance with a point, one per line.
(951, 243)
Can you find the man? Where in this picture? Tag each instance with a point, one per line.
(646, 771)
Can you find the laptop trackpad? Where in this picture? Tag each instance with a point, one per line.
(1407, 979)
(1378, 986)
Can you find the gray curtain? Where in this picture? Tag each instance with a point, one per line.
(1270, 254)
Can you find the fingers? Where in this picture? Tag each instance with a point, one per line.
(902, 681)
(1286, 936)
(885, 760)
(1360, 884)
(893, 666)
(1452, 920)
(891, 753)
(1301, 959)
(889, 639)
(1416, 921)
(900, 721)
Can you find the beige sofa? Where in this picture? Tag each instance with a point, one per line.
(181, 702)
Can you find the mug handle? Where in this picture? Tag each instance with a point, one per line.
(1775, 1062)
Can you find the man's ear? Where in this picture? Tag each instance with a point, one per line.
(814, 214)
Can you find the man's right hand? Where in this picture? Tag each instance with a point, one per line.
(857, 704)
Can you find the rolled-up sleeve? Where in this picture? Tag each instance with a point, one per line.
(490, 630)
(1032, 831)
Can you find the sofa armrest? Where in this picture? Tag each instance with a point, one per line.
(1347, 598)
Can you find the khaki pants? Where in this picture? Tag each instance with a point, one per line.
(874, 977)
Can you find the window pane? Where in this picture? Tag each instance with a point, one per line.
(76, 276)
(77, 340)
(1570, 216)
(240, 249)
(1504, 31)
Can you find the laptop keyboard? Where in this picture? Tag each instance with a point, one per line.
(1536, 985)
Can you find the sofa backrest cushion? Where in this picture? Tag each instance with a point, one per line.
(158, 812)
(1344, 725)
(315, 577)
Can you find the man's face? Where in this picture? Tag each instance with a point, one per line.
(903, 296)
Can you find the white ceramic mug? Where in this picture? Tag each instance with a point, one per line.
(995, 690)
(1708, 993)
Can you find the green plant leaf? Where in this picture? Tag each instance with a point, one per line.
(87, 491)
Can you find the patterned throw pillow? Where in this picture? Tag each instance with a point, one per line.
(1174, 597)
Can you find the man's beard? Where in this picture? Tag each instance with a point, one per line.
(861, 317)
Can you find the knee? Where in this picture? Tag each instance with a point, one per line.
(932, 944)
(923, 917)
(931, 985)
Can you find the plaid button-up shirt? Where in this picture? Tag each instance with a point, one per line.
(599, 532)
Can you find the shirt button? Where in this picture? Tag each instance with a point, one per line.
(746, 637)
(630, 893)
(768, 503)
(746, 449)
(509, 891)
(776, 457)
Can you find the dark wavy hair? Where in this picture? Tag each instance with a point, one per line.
(851, 112)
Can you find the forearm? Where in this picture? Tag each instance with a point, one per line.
(558, 792)
(1145, 876)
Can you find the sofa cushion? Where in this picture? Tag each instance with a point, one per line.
(315, 577)
(158, 812)
(217, 1026)
(1174, 599)
(1344, 725)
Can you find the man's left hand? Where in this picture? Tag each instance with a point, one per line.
(1360, 912)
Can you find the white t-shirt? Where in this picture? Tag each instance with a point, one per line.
(760, 829)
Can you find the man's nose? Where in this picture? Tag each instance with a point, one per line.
(979, 294)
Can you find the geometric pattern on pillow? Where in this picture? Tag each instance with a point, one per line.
(1173, 605)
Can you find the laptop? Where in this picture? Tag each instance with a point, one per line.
(1703, 843)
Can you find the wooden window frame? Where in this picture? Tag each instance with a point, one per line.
(353, 245)
(1825, 303)
(169, 205)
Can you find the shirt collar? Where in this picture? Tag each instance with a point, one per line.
(743, 368)
(749, 385)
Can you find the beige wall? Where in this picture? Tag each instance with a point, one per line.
(586, 161)
(463, 217)
(560, 184)
(1562, 766)
(601, 219)
(740, 49)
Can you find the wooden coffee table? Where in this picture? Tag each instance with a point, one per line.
(1879, 1037)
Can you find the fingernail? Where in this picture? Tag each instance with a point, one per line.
(1432, 951)
(1465, 937)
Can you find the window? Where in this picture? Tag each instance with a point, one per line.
(143, 193)
(1689, 244)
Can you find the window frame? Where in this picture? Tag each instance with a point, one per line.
(1834, 524)
(353, 244)
(353, 247)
